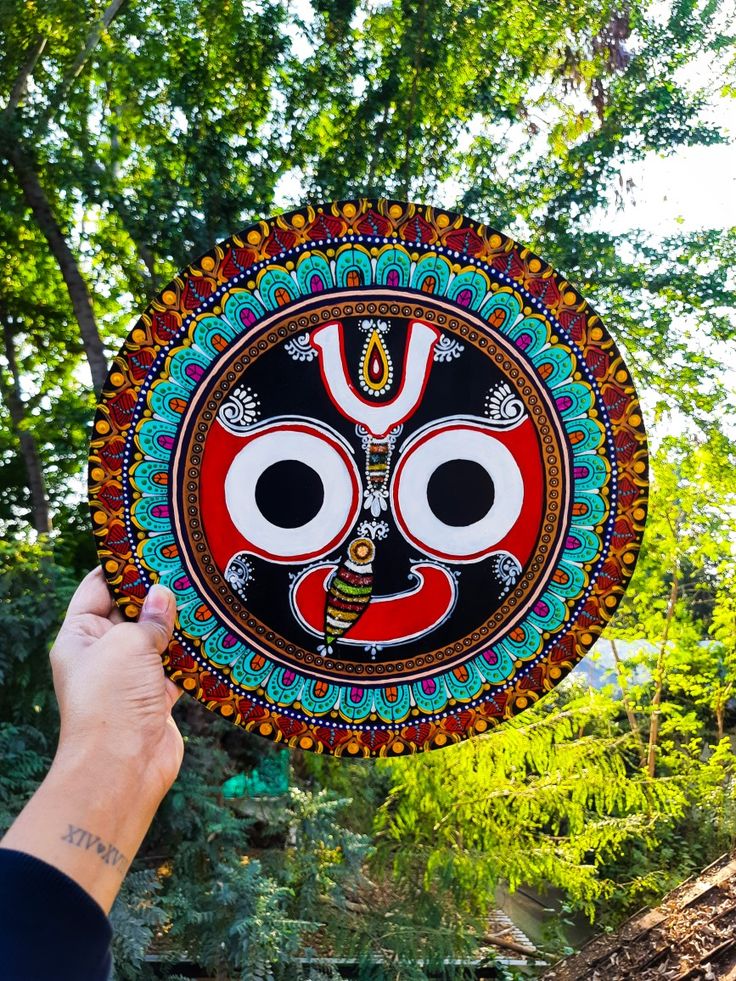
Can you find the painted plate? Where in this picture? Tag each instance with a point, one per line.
(391, 464)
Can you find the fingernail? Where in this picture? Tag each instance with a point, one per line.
(156, 603)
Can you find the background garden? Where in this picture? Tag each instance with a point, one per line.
(133, 136)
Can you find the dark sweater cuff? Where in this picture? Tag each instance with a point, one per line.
(49, 926)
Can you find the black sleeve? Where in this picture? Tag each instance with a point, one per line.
(49, 926)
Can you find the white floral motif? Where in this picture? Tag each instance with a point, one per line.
(447, 349)
(377, 530)
(299, 348)
(507, 570)
(376, 501)
(502, 405)
(239, 410)
(239, 573)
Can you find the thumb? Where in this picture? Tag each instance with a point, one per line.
(158, 616)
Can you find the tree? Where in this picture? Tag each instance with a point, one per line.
(136, 135)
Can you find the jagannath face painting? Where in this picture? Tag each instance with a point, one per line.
(392, 466)
(386, 524)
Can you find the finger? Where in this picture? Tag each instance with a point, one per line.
(156, 623)
(116, 614)
(173, 692)
(92, 596)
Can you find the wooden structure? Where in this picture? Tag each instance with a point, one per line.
(691, 936)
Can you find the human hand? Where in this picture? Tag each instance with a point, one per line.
(114, 698)
(119, 749)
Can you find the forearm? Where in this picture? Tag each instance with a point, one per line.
(88, 819)
(119, 749)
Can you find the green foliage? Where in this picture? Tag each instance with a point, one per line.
(544, 801)
(25, 758)
(238, 897)
(323, 859)
(561, 797)
(172, 126)
(240, 920)
(34, 592)
(134, 919)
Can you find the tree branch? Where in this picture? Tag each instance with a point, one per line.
(20, 86)
(93, 39)
(623, 688)
(659, 672)
(127, 218)
(508, 943)
(411, 114)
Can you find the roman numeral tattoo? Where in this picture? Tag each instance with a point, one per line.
(105, 851)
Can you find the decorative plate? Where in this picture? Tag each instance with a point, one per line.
(391, 464)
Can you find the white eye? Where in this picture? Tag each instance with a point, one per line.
(457, 491)
(293, 491)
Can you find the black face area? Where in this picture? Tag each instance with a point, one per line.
(460, 492)
(289, 493)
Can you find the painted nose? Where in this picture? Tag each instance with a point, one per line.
(350, 589)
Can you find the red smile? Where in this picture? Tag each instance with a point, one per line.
(417, 610)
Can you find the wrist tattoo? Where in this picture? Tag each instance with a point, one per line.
(107, 852)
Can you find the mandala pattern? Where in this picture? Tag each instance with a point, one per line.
(392, 466)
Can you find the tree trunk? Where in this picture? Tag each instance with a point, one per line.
(78, 293)
(40, 511)
(659, 674)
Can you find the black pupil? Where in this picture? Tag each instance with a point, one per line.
(460, 492)
(289, 493)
